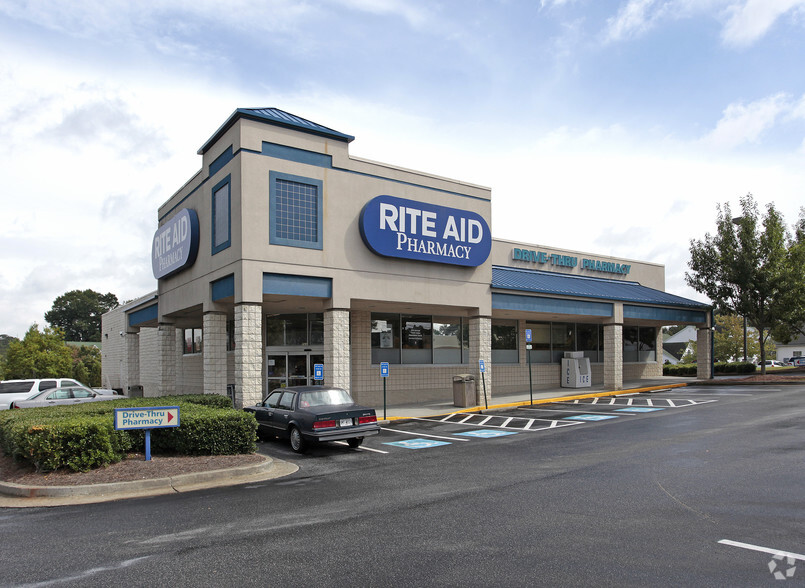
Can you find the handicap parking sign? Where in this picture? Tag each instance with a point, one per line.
(318, 371)
(417, 443)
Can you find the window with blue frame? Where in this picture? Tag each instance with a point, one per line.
(296, 211)
(221, 215)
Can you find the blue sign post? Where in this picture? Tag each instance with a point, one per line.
(318, 372)
(482, 367)
(384, 373)
(528, 352)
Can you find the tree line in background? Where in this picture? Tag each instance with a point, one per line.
(74, 318)
(754, 267)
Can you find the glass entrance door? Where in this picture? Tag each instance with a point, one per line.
(291, 369)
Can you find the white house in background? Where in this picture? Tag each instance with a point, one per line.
(676, 345)
(796, 348)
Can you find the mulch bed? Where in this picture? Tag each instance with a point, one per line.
(134, 467)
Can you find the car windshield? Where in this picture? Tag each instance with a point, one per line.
(325, 397)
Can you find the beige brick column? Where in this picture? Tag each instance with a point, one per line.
(166, 356)
(704, 365)
(337, 359)
(214, 352)
(481, 348)
(613, 356)
(248, 354)
(131, 361)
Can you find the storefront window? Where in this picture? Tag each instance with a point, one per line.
(563, 339)
(630, 344)
(448, 340)
(192, 341)
(587, 341)
(417, 339)
(540, 342)
(504, 342)
(647, 350)
(294, 330)
(385, 338)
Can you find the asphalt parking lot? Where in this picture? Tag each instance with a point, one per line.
(457, 428)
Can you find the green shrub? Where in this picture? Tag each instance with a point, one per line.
(82, 437)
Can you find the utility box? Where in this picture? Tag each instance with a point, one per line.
(464, 390)
(135, 391)
(575, 370)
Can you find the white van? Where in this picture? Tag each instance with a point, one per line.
(11, 390)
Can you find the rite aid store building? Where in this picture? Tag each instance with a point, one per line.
(284, 252)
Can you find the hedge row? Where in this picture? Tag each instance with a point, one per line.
(689, 369)
(82, 437)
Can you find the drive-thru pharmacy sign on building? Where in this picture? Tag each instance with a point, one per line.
(156, 417)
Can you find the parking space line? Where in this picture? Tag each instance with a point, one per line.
(527, 427)
(561, 410)
(360, 448)
(423, 434)
(762, 549)
(506, 423)
(483, 422)
(529, 423)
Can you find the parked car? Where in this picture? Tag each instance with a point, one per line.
(313, 414)
(11, 390)
(773, 363)
(798, 361)
(62, 396)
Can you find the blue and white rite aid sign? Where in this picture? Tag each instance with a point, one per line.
(155, 417)
(175, 244)
(396, 227)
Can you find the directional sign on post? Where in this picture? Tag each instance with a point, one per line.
(155, 417)
(318, 371)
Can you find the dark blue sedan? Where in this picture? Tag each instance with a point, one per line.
(312, 414)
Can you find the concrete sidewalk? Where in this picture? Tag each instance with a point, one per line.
(542, 396)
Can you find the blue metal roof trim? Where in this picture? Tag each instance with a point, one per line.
(277, 117)
(509, 278)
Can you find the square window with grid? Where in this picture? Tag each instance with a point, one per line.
(297, 206)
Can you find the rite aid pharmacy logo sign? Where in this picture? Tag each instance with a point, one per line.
(175, 244)
(396, 227)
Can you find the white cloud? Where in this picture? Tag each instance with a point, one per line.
(751, 20)
(633, 19)
(745, 123)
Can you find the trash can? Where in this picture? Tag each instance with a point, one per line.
(464, 390)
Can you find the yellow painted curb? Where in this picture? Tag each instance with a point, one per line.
(544, 401)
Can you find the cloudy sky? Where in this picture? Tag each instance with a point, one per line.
(605, 126)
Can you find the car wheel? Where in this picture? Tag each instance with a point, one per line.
(355, 442)
(297, 441)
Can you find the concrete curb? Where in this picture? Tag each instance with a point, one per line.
(16, 495)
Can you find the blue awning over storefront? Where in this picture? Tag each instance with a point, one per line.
(640, 302)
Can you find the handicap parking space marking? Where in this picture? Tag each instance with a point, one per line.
(591, 417)
(638, 409)
(421, 434)
(499, 422)
(640, 401)
(417, 443)
(486, 433)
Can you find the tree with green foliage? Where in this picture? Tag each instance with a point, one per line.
(87, 364)
(78, 314)
(749, 268)
(794, 298)
(39, 355)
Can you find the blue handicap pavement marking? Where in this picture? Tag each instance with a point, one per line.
(417, 443)
(486, 433)
(591, 417)
(638, 409)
